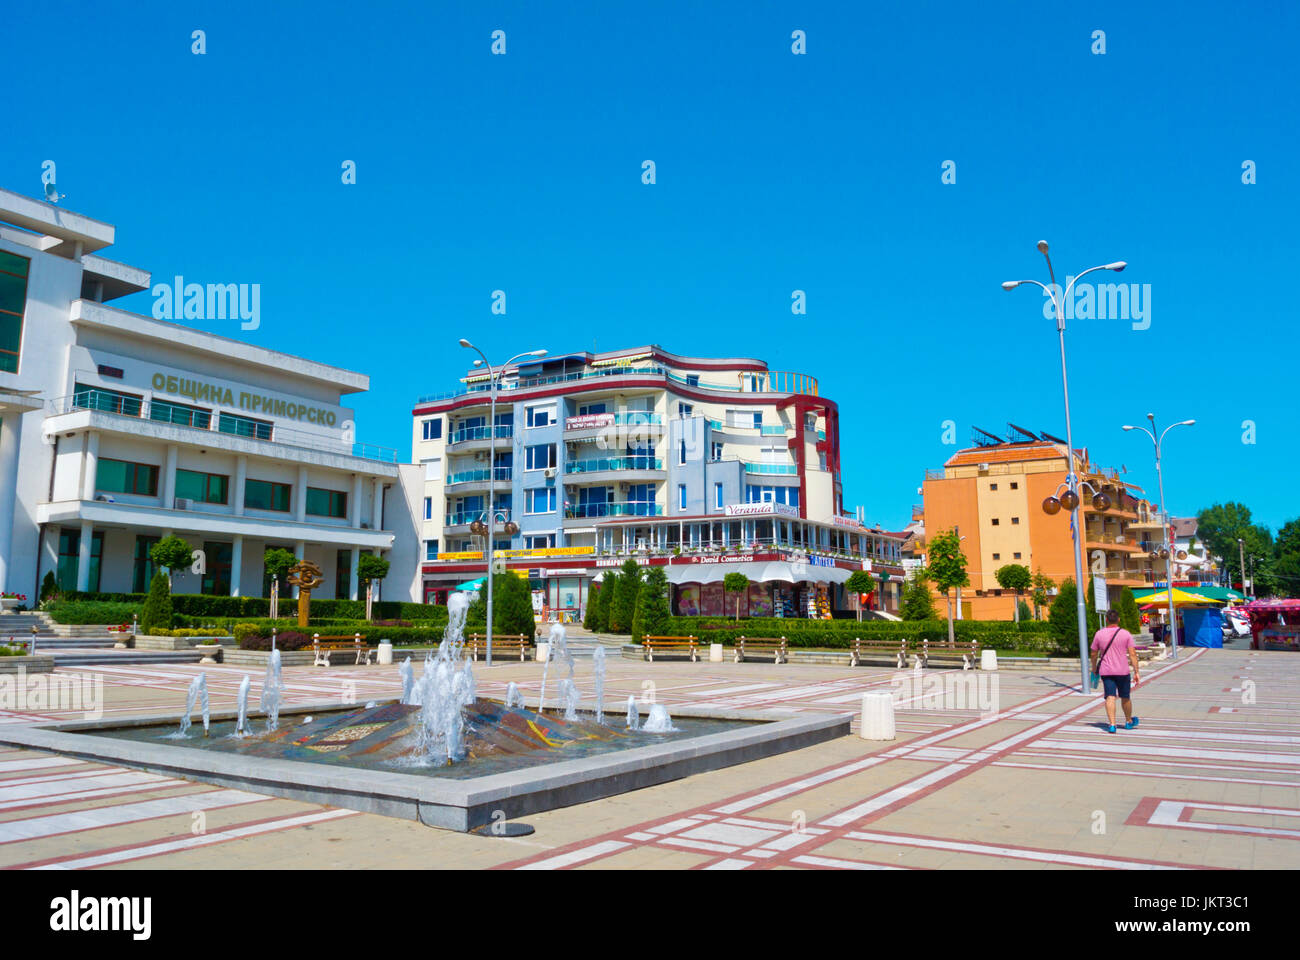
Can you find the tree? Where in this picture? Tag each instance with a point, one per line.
(157, 611)
(1286, 559)
(1064, 614)
(1090, 607)
(623, 603)
(512, 606)
(1129, 617)
(172, 553)
(605, 600)
(860, 582)
(653, 611)
(371, 567)
(593, 605)
(1041, 592)
(946, 566)
(1014, 576)
(737, 583)
(1023, 612)
(49, 586)
(1220, 526)
(917, 601)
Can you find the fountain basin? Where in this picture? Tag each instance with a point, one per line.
(457, 802)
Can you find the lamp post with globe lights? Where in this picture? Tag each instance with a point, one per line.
(488, 528)
(1070, 498)
(1167, 553)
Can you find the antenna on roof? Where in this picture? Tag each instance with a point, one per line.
(986, 439)
(1047, 436)
(1032, 437)
(52, 193)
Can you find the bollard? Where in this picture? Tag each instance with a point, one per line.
(385, 653)
(988, 659)
(543, 652)
(877, 716)
(715, 653)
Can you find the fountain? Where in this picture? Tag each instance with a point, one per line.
(633, 716)
(659, 721)
(569, 695)
(514, 699)
(408, 679)
(598, 672)
(241, 725)
(557, 648)
(198, 691)
(272, 691)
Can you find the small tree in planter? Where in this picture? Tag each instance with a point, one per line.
(173, 553)
(371, 568)
(918, 601)
(860, 582)
(1014, 576)
(653, 611)
(946, 565)
(49, 587)
(737, 583)
(1041, 592)
(157, 611)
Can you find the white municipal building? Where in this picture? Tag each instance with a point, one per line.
(117, 429)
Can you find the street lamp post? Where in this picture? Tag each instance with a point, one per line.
(492, 468)
(1241, 561)
(1169, 547)
(1072, 479)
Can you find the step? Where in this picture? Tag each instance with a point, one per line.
(122, 657)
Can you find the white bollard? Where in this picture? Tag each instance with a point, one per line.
(715, 653)
(988, 659)
(543, 651)
(877, 716)
(385, 653)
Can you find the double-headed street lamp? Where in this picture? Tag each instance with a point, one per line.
(1070, 498)
(1169, 547)
(490, 526)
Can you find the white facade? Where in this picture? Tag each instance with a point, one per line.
(117, 428)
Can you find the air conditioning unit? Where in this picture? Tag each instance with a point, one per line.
(481, 456)
(182, 503)
(984, 467)
(549, 473)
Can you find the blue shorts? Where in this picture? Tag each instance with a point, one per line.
(1117, 686)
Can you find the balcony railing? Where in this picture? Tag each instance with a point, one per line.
(637, 418)
(592, 464)
(625, 509)
(460, 517)
(201, 421)
(465, 434)
(499, 474)
(777, 469)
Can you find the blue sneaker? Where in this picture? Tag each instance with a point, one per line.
(1131, 724)
(1111, 728)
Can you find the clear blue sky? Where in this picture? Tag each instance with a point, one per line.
(775, 172)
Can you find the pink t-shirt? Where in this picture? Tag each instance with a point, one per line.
(1115, 662)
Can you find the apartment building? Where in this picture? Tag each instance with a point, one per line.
(117, 429)
(703, 465)
(992, 494)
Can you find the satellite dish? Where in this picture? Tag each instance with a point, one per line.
(52, 193)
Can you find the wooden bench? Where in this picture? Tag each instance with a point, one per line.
(774, 647)
(322, 645)
(687, 645)
(506, 643)
(896, 649)
(968, 651)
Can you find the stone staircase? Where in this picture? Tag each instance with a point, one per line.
(20, 625)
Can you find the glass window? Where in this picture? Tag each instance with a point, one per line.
(326, 503)
(716, 451)
(143, 568)
(539, 457)
(681, 453)
(433, 429)
(110, 401)
(244, 426)
(428, 508)
(681, 496)
(692, 379)
(540, 501)
(685, 409)
(121, 476)
(540, 416)
(168, 412)
(216, 581)
(717, 495)
(587, 409)
(267, 495)
(13, 301)
(202, 487)
(431, 549)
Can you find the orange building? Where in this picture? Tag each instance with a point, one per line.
(993, 493)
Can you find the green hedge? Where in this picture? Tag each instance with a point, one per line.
(94, 611)
(245, 631)
(1036, 636)
(208, 608)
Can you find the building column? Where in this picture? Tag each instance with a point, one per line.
(354, 584)
(90, 462)
(8, 491)
(241, 474)
(300, 499)
(377, 509)
(300, 551)
(169, 477)
(236, 561)
(354, 507)
(83, 555)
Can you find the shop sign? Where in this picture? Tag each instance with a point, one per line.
(762, 510)
(469, 555)
(816, 561)
(588, 420)
(848, 522)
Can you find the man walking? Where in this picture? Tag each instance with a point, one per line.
(1113, 654)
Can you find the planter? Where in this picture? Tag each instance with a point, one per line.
(9, 603)
(211, 652)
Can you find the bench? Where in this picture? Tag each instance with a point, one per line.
(968, 651)
(685, 645)
(506, 643)
(774, 647)
(896, 649)
(322, 645)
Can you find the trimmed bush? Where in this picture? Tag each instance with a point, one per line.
(157, 610)
(1003, 634)
(245, 631)
(83, 611)
(210, 607)
(289, 640)
(653, 611)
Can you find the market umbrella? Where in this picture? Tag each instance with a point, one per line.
(471, 585)
(1182, 598)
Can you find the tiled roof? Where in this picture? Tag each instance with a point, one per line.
(1010, 453)
(1183, 526)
